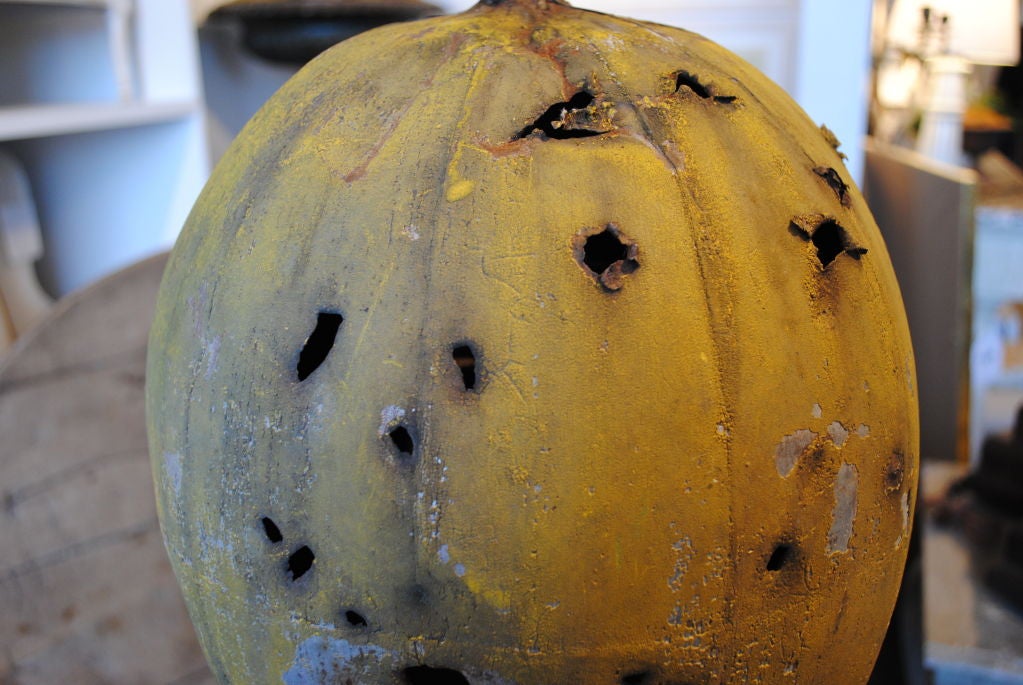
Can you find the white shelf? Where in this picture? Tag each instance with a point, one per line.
(65, 3)
(101, 103)
(20, 122)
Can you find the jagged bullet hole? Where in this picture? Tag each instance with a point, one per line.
(273, 533)
(402, 441)
(319, 343)
(465, 360)
(827, 236)
(835, 182)
(606, 256)
(602, 250)
(300, 561)
(894, 472)
(553, 122)
(636, 678)
(828, 239)
(781, 556)
(690, 81)
(355, 619)
(429, 675)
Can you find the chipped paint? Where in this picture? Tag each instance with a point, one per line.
(684, 552)
(212, 355)
(320, 659)
(389, 417)
(838, 433)
(791, 448)
(844, 514)
(172, 469)
(904, 508)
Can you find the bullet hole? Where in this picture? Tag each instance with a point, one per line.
(273, 533)
(429, 675)
(781, 556)
(894, 472)
(684, 79)
(300, 561)
(557, 121)
(465, 360)
(829, 238)
(603, 250)
(607, 256)
(835, 182)
(828, 241)
(402, 441)
(355, 619)
(319, 343)
(636, 678)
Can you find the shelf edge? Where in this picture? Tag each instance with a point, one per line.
(22, 122)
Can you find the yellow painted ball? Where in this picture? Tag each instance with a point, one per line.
(533, 345)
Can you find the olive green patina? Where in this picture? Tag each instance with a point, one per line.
(533, 345)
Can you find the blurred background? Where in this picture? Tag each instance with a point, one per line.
(113, 112)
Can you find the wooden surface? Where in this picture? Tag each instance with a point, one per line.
(86, 592)
(972, 637)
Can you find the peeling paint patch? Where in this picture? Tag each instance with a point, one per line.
(172, 468)
(844, 513)
(326, 660)
(684, 553)
(863, 431)
(212, 355)
(443, 554)
(389, 416)
(676, 157)
(905, 520)
(791, 447)
(411, 231)
(816, 412)
(838, 433)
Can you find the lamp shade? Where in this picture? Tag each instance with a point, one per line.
(982, 31)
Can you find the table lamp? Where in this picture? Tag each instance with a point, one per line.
(951, 36)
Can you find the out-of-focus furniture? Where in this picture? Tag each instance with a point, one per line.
(101, 101)
(22, 301)
(925, 211)
(86, 589)
(997, 359)
(928, 214)
(972, 636)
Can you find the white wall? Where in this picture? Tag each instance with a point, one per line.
(833, 71)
